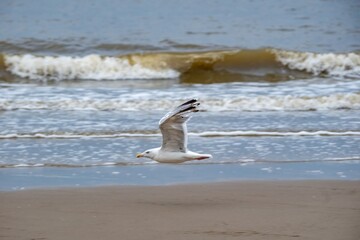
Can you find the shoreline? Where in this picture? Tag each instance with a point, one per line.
(14, 179)
(320, 209)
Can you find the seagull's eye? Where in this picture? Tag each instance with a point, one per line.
(147, 152)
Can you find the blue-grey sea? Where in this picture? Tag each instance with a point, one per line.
(83, 85)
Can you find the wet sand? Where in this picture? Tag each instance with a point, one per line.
(237, 210)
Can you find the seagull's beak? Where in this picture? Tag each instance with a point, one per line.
(139, 155)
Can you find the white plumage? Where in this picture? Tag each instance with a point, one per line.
(174, 132)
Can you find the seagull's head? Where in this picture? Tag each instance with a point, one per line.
(150, 153)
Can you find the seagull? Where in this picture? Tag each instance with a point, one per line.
(174, 132)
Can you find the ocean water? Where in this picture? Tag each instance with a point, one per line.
(83, 85)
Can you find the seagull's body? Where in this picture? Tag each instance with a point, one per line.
(174, 132)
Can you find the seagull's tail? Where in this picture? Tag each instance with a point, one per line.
(199, 156)
(203, 156)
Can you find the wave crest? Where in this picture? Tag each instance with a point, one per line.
(206, 67)
(89, 67)
(346, 65)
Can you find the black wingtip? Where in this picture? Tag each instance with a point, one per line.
(191, 108)
(194, 100)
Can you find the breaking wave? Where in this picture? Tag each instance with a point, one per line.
(212, 66)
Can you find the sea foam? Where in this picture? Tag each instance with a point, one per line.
(235, 103)
(236, 133)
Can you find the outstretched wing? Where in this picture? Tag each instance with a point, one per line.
(173, 127)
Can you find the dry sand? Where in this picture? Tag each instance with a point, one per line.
(322, 210)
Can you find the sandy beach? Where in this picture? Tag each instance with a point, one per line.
(234, 210)
(84, 84)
